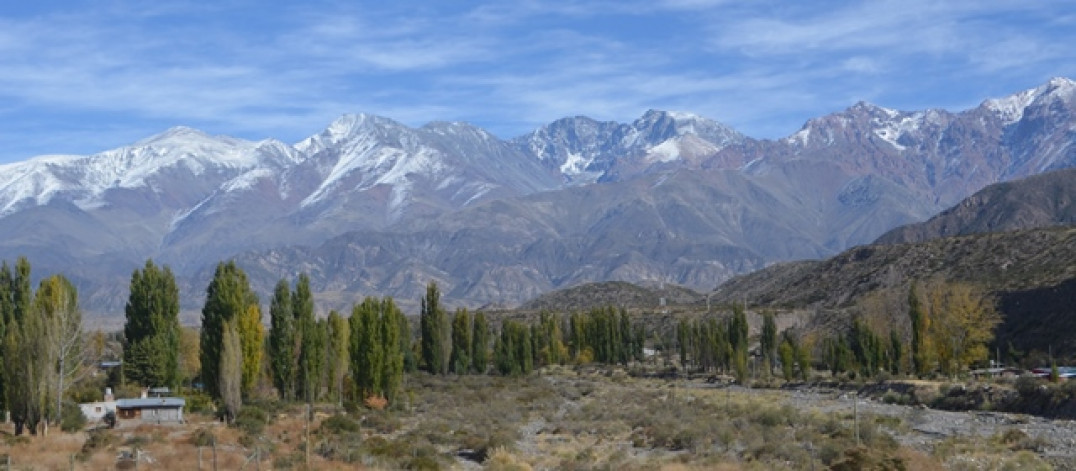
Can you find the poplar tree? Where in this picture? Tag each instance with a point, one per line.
(434, 331)
(920, 353)
(768, 340)
(738, 331)
(310, 347)
(20, 362)
(337, 356)
(151, 332)
(252, 340)
(228, 297)
(56, 302)
(460, 360)
(480, 343)
(230, 380)
(282, 341)
(392, 362)
(377, 358)
(366, 347)
(6, 281)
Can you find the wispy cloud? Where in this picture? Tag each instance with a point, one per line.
(244, 68)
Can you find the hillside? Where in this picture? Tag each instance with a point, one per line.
(1031, 273)
(1044, 200)
(611, 293)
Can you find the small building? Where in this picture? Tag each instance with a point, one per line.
(97, 410)
(153, 410)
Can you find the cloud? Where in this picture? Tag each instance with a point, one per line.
(243, 68)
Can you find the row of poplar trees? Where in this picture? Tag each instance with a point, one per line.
(460, 344)
(947, 330)
(40, 355)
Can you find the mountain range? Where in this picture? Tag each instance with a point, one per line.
(371, 206)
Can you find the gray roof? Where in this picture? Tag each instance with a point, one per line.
(150, 402)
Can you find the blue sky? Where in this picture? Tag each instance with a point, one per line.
(85, 76)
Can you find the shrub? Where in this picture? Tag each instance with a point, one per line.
(97, 440)
(199, 403)
(203, 437)
(73, 418)
(338, 424)
(251, 420)
(375, 402)
(503, 460)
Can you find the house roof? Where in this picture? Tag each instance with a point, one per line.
(150, 402)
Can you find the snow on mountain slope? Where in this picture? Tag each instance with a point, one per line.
(1011, 108)
(85, 179)
(190, 200)
(584, 150)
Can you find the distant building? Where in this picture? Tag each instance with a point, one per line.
(151, 410)
(97, 410)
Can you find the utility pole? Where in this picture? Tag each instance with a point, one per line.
(855, 415)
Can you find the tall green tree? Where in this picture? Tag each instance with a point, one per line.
(309, 349)
(22, 362)
(6, 317)
(42, 350)
(921, 361)
(337, 355)
(377, 352)
(512, 350)
(228, 296)
(367, 348)
(460, 360)
(738, 331)
(230, 381)
(252, 340)
(434, 332)
(480, 343)
(312, 359)
(392, 361)
(282, 340)
(152, 331)
(768, 340)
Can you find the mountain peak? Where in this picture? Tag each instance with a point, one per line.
(1011, 108)
(351, 124)
(176, 133)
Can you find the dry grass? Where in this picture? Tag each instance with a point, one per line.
(563, 419)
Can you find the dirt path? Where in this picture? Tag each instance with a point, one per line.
(924, 428)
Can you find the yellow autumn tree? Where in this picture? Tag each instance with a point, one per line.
(961, 324)
(251, 336)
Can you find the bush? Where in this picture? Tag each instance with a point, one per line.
(203, 437)
(251, 420)
(97, 440)
(338, 424)
(73, 418)
(199, 403)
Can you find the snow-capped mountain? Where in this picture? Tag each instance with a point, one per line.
(585, 151)
(371, 206)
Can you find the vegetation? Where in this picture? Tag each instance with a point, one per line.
(435, 342)
(152, 332)
(42, 346)
(228, 297)
(282, 340)
(361, 362)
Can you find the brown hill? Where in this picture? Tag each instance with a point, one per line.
(612, 293)
(1031, 273)
(1044, 200)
